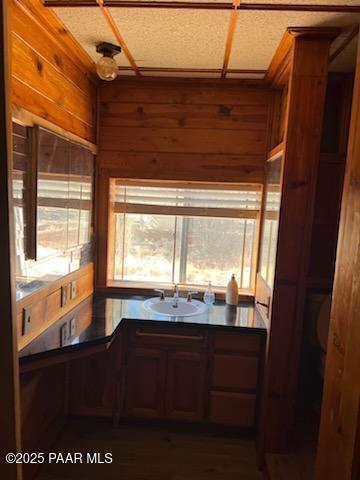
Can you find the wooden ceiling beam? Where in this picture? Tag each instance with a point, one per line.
(230, 37)
(283, 7)
(195, 70)
(110, 21)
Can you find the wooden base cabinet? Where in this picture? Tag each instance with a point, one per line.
(180, 373)
(166, 384)
(145, 386)
(185, 386)
(235, 378)
(232, 408)
(187, 375)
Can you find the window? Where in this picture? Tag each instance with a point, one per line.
(52, 207)
(183, 234)
(272, 198)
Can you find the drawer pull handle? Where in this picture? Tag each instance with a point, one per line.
(139, 333)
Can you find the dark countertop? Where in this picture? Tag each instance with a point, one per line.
(110, 313)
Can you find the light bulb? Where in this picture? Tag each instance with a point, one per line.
(107, 68)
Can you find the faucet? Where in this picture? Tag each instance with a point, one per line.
(162, 293)
(176, 296)
(190, 295)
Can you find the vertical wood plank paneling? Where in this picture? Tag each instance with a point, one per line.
(302, 136)
(330, 181)
(338, 450)
(10, 440)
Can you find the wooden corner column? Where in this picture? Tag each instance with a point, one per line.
(339, 441)
(305, 71)
(9, 374)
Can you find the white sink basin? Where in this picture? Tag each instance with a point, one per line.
(166, 307)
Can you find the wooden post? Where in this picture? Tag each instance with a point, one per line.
(302, 61)
(339, 440)
(9, 373)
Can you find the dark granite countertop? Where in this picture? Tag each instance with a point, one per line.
(110, 313)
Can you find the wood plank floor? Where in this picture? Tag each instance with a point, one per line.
(153, 453)
(299, 463)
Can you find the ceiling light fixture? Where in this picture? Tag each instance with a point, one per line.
(106, 66)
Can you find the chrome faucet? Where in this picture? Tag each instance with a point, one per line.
(190, 295)
(162, 293)
(176, 296)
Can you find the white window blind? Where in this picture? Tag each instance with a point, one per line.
(184, 234)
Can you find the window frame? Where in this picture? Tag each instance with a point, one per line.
(184, 211)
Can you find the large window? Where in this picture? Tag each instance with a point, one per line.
(52, 191)
(179, 234)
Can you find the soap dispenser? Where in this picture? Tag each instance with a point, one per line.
(232, 291)
(209, 295)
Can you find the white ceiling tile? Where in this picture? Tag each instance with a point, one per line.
(187, 38)
(89, 28)
(171, 38)
(182, 74)
(258, 34)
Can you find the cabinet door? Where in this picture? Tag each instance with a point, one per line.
(235, 371)
(232, 408)
(186, 380)
(146, 382)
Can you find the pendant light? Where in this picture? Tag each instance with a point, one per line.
(106, 66)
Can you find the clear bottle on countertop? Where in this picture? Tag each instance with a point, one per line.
(209, 295)
(232, 291)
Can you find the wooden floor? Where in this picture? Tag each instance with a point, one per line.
(299, 463)
(153, 453)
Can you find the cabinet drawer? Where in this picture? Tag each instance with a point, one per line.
(232, 409)
(239, 342)
(235, 371)
(171, 336)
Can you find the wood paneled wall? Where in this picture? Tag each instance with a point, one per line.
(302, 137)
(46, 305)
(184, 129)
(52, 77)
(9, 378)
(330, 180)
(338, 452)
(176, 129)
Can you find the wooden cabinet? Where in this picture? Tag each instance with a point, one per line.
(235, 371)
(145, 387)
(166, 374)
(185, 386)
(235, 382)
(232, 408)
(183, 373)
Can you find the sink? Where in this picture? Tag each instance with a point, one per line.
(166, 307)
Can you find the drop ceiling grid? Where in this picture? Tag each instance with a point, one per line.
(89, 28)
(308, 2)
(258, 34)
(174, 38)
(188, 1)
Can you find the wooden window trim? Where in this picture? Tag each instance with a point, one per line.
(185, 211)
